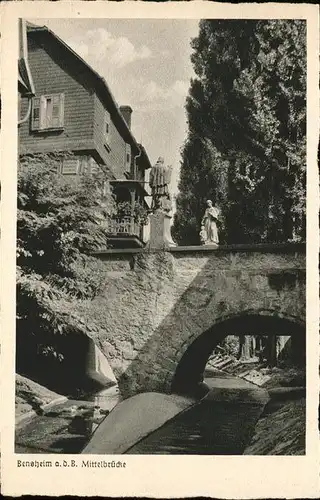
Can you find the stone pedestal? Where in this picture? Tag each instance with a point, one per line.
(160, 231)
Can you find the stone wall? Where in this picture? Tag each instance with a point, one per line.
(155, 305)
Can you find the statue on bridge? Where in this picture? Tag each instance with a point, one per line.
(160, 177)
(160, 219)
(209, 230)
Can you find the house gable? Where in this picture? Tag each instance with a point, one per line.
(54, 74)
(60, 74)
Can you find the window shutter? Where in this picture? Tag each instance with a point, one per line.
(43, 113)
(70, 167)
(35, 117)
(57, 117)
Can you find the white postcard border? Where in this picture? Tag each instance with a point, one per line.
(154, 476)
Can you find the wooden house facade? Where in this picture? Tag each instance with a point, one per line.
(73, 110)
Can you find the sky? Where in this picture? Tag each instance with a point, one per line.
(146, 63)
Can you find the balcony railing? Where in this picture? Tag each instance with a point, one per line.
(124, 225)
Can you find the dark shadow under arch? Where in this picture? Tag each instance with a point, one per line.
(189, 373)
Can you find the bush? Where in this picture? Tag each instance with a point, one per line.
(58, 225)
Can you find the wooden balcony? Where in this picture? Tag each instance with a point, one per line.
(125, 232)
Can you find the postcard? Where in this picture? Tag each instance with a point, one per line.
(159, 231)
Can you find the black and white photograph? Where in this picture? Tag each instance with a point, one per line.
(161, 232)
(161, 236)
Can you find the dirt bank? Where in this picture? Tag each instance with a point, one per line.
(31, 396)
(280, 431)
(281, 428)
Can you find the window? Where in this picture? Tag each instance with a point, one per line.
(47, 112)
(128, 156)
(70, 167)
(107, 126)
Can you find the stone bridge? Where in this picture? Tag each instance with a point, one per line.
(162, 312)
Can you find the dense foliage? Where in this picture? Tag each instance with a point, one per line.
(246, 146)
(137, 211)
(59, 223)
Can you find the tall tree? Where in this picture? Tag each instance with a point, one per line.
(204, 177)
(247, 106)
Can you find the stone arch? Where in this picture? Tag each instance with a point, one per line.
(194, 352)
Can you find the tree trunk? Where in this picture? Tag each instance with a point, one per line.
(245, 347)
(272, 350)
(253, 346)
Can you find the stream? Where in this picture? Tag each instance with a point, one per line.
(220, 423)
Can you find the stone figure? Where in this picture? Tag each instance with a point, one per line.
(160, 219)
(209, 230)
(160, 177)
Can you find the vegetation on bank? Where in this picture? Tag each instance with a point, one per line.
(280, 430)
(246, 145)
(59, 224)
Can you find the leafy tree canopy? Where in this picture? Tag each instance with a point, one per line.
(59, 223)
(247, 121)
